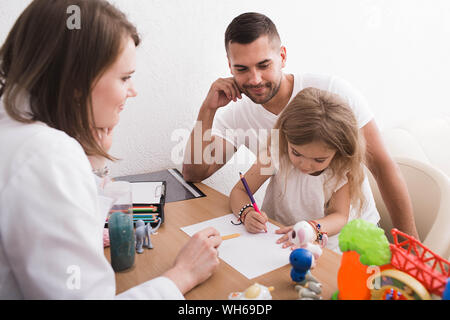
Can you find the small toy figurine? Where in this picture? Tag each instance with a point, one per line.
(446, 294)
(255, 292)
(301, 260)
(303, 235)
(142, 234)
(310, 291)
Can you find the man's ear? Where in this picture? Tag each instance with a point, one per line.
(283, 56)
(229, 66)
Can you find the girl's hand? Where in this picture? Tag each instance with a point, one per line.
(103, 137)
(285, 239)
(255, 222)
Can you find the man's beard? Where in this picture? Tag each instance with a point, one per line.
(273, 90)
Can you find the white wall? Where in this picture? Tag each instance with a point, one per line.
(397, 52)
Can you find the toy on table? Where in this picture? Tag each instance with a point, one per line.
(301, 260)
(143, 233)
(307, 286)
(304, 235)
(311, 290)
(446, 294)
(255, 292)
(362, 244)
(404, 270)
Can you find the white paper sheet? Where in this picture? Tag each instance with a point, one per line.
(146, 192)
(250, 254)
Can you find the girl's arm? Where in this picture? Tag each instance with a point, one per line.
(336, 216)
(253, 221)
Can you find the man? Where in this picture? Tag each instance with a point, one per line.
(256, 59)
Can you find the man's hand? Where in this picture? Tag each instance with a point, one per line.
(222, 91)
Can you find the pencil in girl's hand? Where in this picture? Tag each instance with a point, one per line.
(250, 195)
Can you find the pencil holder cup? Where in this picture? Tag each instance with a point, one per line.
(120, 225)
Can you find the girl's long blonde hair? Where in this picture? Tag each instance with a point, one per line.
(318, 115)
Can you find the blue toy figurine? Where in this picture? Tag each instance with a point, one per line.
(143, 232)
(446, 294)
(301, 260)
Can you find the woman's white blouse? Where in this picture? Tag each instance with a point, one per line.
(51, 221)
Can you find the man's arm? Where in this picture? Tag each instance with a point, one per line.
(205, 154)
(389, 180)
(195, 170)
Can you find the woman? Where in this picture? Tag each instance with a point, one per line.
(61, 93)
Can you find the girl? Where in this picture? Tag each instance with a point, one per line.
(61, 94)
(316, 170)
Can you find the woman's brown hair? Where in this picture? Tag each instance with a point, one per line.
(57, 66)
(318, 115)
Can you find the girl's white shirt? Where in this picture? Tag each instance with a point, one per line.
(52, 218)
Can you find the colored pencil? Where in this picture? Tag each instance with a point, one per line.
(145, 209)
(145, 220)
(250, 195)
(231, 236)
(145, 206)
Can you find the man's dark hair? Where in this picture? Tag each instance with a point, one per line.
(248, 27)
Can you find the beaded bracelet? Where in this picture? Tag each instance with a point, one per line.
(242, 219)
(322, 236)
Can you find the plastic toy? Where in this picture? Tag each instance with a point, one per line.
(311, 291)
(363, 244)
(446, 294)
(404, 270)
(396, 285)
(301, 260)
(255, 292)
(303, 235)
(143, 233)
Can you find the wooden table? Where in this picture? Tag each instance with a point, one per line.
(170, 239)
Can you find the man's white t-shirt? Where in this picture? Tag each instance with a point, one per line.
(246, 123)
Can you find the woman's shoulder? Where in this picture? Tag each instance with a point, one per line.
(38, 138)
(24, 144)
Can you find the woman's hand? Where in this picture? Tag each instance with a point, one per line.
(285, 239)
(255, 222)
(196, 261)
(103, 137)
